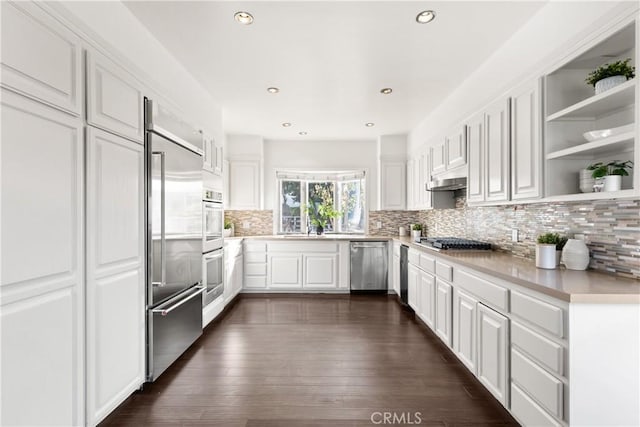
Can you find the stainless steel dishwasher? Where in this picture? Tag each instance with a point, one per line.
(369, 266)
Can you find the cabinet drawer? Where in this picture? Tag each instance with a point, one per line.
(427, 263)
(543, 350)
(540, 313)
(255, 257)
(414, 257)
(538, 383)
(444, 271)
(495, 295)
(527, 411)
(255, 247)
(255, 269)
(255, 282)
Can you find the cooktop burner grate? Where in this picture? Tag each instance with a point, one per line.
(455, 243)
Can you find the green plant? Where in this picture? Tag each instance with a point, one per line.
(553, 239)
(615, 167)
(618, 68)
(320, 208)
(417, 227)
(227, 224)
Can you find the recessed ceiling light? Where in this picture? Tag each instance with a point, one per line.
(425, 17)
(244, 18)
(286, 125)
(303, 133)
(386, 90)
(273, 90)
(369, 124)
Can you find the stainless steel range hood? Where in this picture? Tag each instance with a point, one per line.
(453, 180)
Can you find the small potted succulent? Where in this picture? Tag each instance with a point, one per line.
(549, 249)
(228, 228)
(416, 232)
(611, 75)
(612, 173)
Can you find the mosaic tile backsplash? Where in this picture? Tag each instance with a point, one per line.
(611, 227)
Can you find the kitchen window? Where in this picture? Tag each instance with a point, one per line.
(343, 191)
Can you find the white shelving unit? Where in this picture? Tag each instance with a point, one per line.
(571, 109)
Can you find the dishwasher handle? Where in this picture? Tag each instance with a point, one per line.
(367, 245)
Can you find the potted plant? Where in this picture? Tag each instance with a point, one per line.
(549, 250)
(612, 173)
(416, 232)
(228, 228)
(320, 208)
(611, 75)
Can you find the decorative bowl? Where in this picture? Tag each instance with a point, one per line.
(605, 133)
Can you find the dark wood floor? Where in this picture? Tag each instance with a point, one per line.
(289, 361)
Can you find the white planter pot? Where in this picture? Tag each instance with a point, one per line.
(609, 83)
(415, 235)
(575, 255)
(546, 256)
(586, 181)
(612, 183)
(227, 232)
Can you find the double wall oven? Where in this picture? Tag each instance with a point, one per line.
(212, 245)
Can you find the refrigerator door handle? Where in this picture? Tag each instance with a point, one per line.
(163, 243)
(162, 310)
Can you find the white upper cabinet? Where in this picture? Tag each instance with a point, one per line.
(438, 158)
(212, 158)
(456, 148)
(393, 181)
(40, 57)
(245, 185)
(477, 163)
(411, 202)
(114, 98)
(526, 144)
(497, 147)
(572, 108)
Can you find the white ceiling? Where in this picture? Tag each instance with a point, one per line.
(330, 59)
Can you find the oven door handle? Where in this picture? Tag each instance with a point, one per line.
(163, 237)
(163, 311)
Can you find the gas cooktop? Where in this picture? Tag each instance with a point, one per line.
(454, 243)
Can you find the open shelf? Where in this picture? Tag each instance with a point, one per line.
(606, 102)
(619, 143)
(604, 195)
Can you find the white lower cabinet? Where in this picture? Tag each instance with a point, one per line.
(493, 357)
(412, 287)
(41, 246)
(320, 271)
(465, 314)
(115, 272)
(444, 293)
(426, 298)
(284, 271)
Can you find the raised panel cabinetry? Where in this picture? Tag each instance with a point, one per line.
(456, 148)
(244, 185)
(284, 271)
(42, 288)
(465, 315)
(412, 287)
(493, 357)
(443, 319)
(393, 181)
(40, 57)
(426, 298)
(438, 158)
(114, 98)
(212, 157)
(477, 163)
(115, 272)
(320, 271)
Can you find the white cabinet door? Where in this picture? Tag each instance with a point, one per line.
(114, 98)
(244, 185)
(208, 157)
(42, 287)
(464, 328)
(320, 271)
(238, 275)
(115, 272)
(493, 368)
(285, 271)
(411, 203)
(526, 144)
(476, 160)
(40, 57)
(393, 186)
(438, 158)
(412, 287)
(497, 143)
(427, 295)
(443, 311)
(396, 274)
(456, 148)
(218, 161)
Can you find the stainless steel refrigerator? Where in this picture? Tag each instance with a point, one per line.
(174, 237)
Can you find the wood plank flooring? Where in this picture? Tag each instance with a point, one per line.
(314, 361)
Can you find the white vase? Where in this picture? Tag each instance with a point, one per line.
(546, 256)
(586, 181)
(575, 255)
(416, 234)
(609, 83)
(612, 182)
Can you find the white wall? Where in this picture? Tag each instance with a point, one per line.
(392, 147)
(115, 28)
(244, 146)
(553, 33)
(319, 155)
